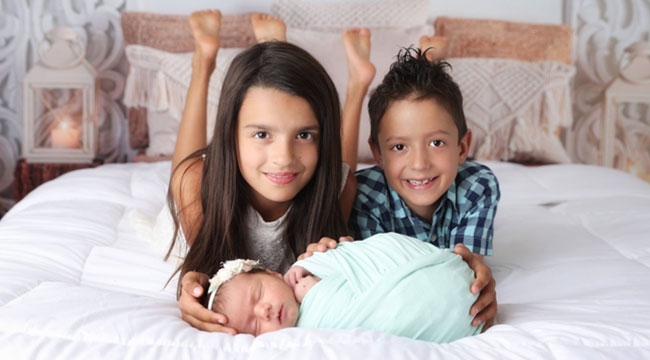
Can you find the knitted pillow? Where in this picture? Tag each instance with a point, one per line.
(304, 14)
(172, 34)
(514, 108)
(158, 81)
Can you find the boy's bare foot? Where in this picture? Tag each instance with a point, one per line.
(357, 50)
(205, 27)
(267, 28)
(437, 46)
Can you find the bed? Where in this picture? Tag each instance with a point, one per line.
(81, 256)
(572, 266)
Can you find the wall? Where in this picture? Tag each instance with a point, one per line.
(544, 11)
(603, 29)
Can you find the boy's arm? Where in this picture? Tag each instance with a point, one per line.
(475, 232)
(475, 228)
(364, 219)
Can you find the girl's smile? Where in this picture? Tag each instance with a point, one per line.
(282, 178)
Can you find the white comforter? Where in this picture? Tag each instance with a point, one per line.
(572, 264)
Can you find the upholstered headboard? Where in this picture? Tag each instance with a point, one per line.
(515, 76)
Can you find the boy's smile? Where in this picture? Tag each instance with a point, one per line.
(419, 152)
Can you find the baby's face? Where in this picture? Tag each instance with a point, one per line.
(260, 302)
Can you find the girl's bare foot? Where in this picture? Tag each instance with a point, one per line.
(205, 27)
(267, 28)
(357, 50)
(436, 45)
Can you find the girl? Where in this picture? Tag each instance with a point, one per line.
(268, 183)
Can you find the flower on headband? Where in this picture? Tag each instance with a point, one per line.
(228, 271)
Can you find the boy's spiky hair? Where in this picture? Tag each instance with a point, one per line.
(415, 77)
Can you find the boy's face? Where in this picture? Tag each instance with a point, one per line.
(260, 302)
(419, 152)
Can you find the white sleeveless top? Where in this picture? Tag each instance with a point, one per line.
(265, 242)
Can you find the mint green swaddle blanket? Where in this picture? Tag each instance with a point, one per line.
(391, 283)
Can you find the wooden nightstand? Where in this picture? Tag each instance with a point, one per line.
(29, 175)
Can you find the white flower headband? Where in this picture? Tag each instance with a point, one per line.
(228, 271)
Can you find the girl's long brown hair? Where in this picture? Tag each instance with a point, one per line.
(225, 195)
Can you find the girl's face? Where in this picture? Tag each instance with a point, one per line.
(419, 152)
(278, 139)
(260, 302)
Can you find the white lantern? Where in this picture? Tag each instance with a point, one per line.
(631, 86)
(59, 114)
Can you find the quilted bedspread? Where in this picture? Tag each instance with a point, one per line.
(79, 281)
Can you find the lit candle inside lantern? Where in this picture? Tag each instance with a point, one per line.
(65, 136)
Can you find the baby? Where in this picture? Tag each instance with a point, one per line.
(388, 282)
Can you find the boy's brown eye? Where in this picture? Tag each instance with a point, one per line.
(398, 147)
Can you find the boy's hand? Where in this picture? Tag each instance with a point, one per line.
(193, 312)
(485, 307)
(322, 245)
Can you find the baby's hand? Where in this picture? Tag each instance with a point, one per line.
(300, 281)
(322, 245)
(294, 274)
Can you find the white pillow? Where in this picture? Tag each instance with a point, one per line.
(328, 49)
(340, 15)
(163, 131)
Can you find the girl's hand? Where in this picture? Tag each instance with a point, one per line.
(193, 312)
(485, 307)
(322, 245)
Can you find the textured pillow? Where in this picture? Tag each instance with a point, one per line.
(158, 81)
(328, 49)
(514, 108)
(505, 39)
(172, 32)
(301, 14)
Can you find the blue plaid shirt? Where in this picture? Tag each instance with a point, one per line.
(465, 215)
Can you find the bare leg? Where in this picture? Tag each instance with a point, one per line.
(186, 179)
(205, 27)
(268, 28)
(360, 74)
(437, 46)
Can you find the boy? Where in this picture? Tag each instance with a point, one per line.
(423, 185)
